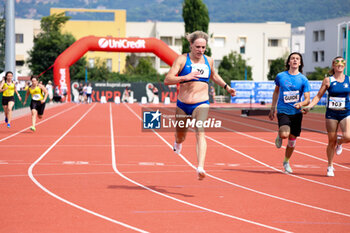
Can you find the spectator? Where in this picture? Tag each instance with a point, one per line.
(49, 89)
(126, 95)
(89, 93)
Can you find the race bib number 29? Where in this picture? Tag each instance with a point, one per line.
(291, 96)
(203, 69)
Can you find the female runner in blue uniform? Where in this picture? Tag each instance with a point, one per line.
(193, 71)
(290, 86)
(338, 109)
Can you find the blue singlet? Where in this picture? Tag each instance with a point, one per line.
(292, 88)
(204, 69)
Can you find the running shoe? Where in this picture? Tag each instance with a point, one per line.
(330, 171)
(8, 125)
(339, 147)
(6, 120)
(177, 147)
(278, 141)
(200, 173)
(287, 168)
(32, 128)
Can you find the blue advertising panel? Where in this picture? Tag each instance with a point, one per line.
(261, 92)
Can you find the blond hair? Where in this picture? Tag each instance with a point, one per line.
(331, 71)
(197, 35)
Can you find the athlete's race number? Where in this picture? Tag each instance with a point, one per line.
(203, 69)
(291, 96)
(36, 97)
(336, 103)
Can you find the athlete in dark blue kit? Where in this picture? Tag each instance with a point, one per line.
(192, 72)
(291, 85)
(338, 109)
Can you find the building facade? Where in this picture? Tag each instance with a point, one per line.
(258, 43)
(110, 23)
(25, 30)
(324, 40)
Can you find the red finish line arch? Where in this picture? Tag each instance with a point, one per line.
(74, 52)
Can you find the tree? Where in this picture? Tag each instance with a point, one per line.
(196, 18)
(234, 67)
(142, 66)
(319, 73)
(276, 67)
(49, 44)
(99, 72)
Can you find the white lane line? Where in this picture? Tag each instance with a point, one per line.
(271, 167)
(39, 123)
(151, 164)
(271, 143)
(240, 186)
(269, 130)
(170, 197)
(30, 174)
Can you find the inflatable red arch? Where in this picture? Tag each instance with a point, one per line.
(109, 44)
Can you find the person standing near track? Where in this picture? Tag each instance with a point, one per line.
(39, 95)
(8, 87)
(89, 93)
(49, 89)
(290, 87)
(192, 72)
(338, 109)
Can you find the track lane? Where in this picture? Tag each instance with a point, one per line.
(219, 152)
(146, 159)
(29, 208)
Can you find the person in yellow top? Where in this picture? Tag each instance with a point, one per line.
(8, 87)
(39, 95)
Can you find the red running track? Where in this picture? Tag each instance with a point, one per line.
(90, 168)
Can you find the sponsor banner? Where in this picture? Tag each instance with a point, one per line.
(137, 91)
(121, 43)
(261, 92)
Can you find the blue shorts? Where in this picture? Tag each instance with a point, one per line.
(337, 115)
(188, 108)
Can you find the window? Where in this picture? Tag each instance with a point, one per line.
(297, 47)
(219, 42)
(344, 33)
(322, 35)
(167, 39)
(273, 43)
(321, 55)
(19, 63)
(178, 42)
(19, 38)
(315, 36)
(315, 56)
(242, 50)
(109, 64)
(91, 62)
(242, 43)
